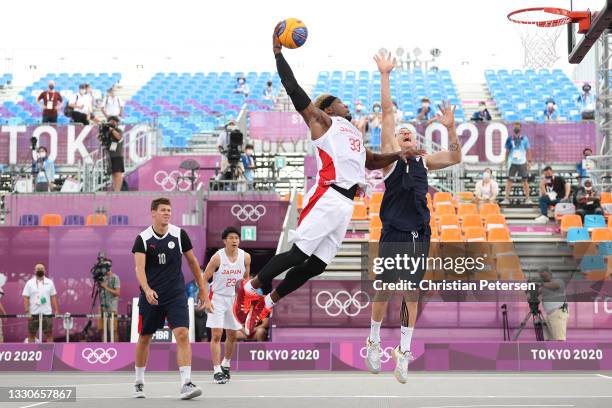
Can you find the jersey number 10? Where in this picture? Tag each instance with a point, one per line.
(162, 259)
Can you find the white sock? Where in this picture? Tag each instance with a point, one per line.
(225, 363)
(375, 331)
(406, 338)
(249, 287)
(269, 302)
(217, 369)
(185, 374)
(139, 374)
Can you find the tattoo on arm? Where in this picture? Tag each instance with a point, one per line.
(454, 147)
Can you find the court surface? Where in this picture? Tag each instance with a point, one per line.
(337, 389)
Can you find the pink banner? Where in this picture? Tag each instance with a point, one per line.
(163, 173)
(277, 126)
(69, 144)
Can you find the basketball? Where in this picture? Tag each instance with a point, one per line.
(292, 33)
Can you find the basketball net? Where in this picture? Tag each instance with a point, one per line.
(539, 40)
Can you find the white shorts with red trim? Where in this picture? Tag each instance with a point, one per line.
(222, 316)
(323, 223)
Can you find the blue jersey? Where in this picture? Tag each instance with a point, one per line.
(163, 265)
(404, 204)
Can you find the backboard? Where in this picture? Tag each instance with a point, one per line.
(579, 44)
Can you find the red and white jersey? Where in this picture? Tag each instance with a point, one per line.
(224, 278)
(341, 155)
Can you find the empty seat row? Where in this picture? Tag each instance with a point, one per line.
(54, 220)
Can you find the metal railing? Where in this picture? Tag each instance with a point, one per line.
(289, 223)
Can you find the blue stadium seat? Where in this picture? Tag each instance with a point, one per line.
(575, 234)
(74, 220)
(119, 220)
(605, 248)
(592, 263)
(594, 221)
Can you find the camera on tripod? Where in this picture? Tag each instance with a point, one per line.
(104, 134)
(101, 268)
(234, 149)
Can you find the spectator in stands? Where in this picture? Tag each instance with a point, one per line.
(82, 106)
(555, 305)
(425, 112)
(587, 200)
(268, 92)
(50, 101)
(242, 87)
(399, 115)
(550, 112)
(586, 100)
(39, 295)
(248, 162)
(115, 151)
(43, 170)
(482, 114)
(553, 190)
(585, 164)
(112, 105)
(375, 119)
(486, 189)
(518, 155)
(360, 118)
(110, 289)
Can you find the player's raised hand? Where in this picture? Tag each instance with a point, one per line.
(446, 116)
(276, 44)
(385, 63)
(151, 296)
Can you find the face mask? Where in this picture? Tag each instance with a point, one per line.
(517, 131)
(586, 89)
(550, 106)
(42, 155)
(588, 188)
(51, 87)
(486, 176)
(241, 81)
(376, 109)
(40, 274)
(82, 91)
(249, 152)
(425, 105)
(359, 107)
(549, 178)
(482, 108)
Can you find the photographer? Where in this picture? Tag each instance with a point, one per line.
(43, 168)
(110, 289)
(555, 305)
(587, 200)
(111, 138)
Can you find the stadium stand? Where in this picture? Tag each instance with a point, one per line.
(522, 95)
(189, 103)
(407, 89)
(25, 110)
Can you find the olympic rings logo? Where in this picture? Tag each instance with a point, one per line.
(99, 355)
(342, 301)
(386, 354)
(248, 212)
(170, 181)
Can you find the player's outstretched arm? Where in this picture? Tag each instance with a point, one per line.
(441, 160)
(317, 121)
(385, 65)
(376, 161)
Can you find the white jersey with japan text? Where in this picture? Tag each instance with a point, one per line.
(224, 278)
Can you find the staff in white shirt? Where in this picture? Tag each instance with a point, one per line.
(112, 105)
(39, 295)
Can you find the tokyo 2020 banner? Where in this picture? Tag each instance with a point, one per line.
(68, 144)
(319, 356)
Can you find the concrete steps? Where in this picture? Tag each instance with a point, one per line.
(471, 94)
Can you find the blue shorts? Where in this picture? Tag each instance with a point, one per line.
(152, 317)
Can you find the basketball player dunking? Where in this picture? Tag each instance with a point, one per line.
(227, 266)
(405, 217)
(158, 253)
(341, 163)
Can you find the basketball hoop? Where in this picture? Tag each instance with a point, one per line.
(539, 28)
